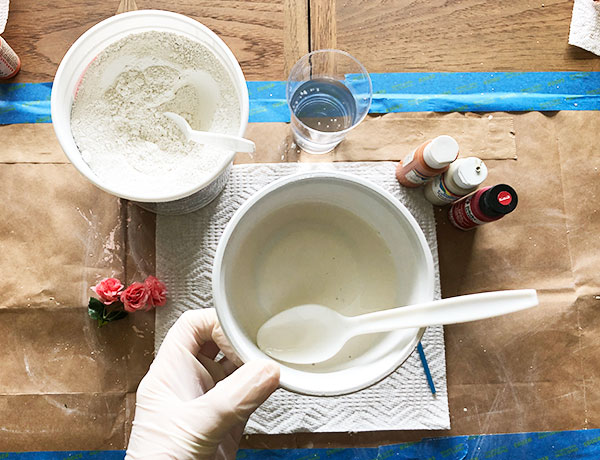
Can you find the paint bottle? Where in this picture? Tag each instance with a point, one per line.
(463, 177)
(429, 160)
(485, 205)
(10, 64)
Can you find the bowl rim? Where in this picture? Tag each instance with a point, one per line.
(225, 315)
(76, 158)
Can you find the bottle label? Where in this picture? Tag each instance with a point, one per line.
(461, 215)
(417, 177)
(9, 61)
(441, 191)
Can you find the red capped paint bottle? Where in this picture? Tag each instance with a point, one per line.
(487, 204)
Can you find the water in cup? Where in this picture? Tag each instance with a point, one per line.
(324, 104)
(329, 93)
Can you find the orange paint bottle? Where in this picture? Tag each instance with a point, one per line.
(429, 160)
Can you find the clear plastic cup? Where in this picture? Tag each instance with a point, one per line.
(329, 93)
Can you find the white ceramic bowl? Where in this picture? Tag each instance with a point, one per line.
(96, 39)
(240, 312)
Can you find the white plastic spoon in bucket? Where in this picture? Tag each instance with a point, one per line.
(312, 333)
(226, 141)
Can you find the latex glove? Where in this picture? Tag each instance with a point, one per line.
(180, 412)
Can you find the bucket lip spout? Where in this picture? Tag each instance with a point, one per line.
(146, 19)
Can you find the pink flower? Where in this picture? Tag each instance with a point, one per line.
(157, 290)
(108, 290)
(135, 297)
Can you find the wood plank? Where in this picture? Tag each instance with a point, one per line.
(42, 33)
(323, 24)
(126, 5)
(253, 31)
(464, 35)
(295, 32)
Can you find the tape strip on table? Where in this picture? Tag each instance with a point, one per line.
(580, 444)
(392, 92)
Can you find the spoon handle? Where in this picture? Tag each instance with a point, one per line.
(237, 144)
(459, 309)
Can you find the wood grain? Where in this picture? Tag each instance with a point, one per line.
(126, 5)
(41, 33)
(295, 31)
(252, 29)
(462, 35)
(323, 24)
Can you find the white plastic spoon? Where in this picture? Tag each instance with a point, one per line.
(313, 333)
(235, 143)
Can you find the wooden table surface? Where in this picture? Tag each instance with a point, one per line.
(267, 37)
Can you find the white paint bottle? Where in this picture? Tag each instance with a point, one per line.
(462, 177)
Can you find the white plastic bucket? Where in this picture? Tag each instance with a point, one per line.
(241, 310)
(84, 51)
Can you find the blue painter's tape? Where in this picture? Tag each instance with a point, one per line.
(583, 444)
(392, 92)
(567, 445)
(25, 103)
(67, 455)
(454, 92)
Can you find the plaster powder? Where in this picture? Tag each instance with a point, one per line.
(117, 116)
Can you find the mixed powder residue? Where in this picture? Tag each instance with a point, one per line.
(117, 117)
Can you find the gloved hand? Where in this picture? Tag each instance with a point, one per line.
(190, 407)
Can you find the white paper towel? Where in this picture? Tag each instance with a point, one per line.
(585, 25)
(3, 14)
(185, 247)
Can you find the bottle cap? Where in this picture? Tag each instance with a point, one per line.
(498, 200)
(470, 172)
(440, 152)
